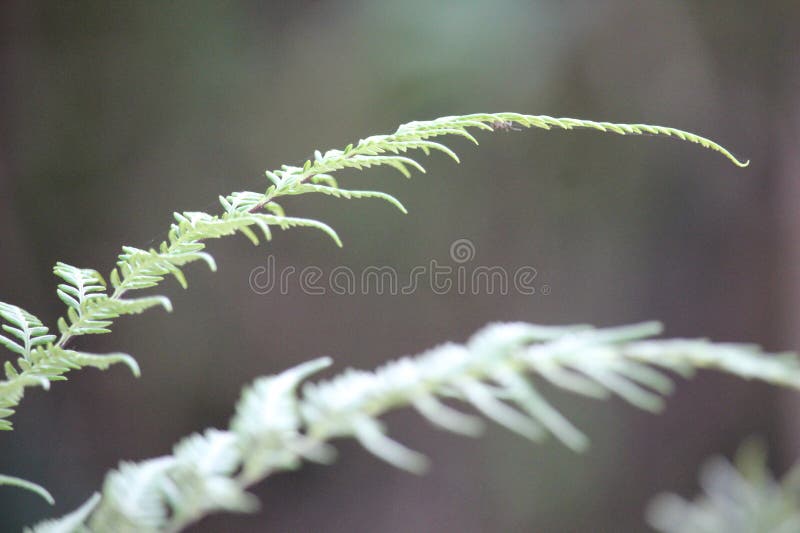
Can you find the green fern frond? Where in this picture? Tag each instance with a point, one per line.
(276, 427)
(91, 310)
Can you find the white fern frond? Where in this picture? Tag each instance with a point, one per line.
(276, 428)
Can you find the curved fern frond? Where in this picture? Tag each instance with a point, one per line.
(276, 427)
(91, 310)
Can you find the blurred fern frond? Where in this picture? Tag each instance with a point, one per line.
(738, 497)
(276, 427)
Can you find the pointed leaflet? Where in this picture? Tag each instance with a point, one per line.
(26, 331)
(27, 485)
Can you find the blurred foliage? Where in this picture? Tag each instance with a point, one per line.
(742, 497)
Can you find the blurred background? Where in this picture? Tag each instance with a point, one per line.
(114, 115)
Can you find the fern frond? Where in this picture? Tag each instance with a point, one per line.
(91, 310)
(739, 497)
(276, 427)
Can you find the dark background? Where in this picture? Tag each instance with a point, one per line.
(113, 115)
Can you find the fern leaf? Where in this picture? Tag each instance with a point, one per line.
(138, 492)
(372, 436)
(214, 452)
(77, 359)
(293, 222)
(397, 146)
(344, 193)
(80, 324)
(81, 285)
(27, 332)
(112, 308)
(524, 394)
(268, 421)
(360, 162)
(27, 485)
